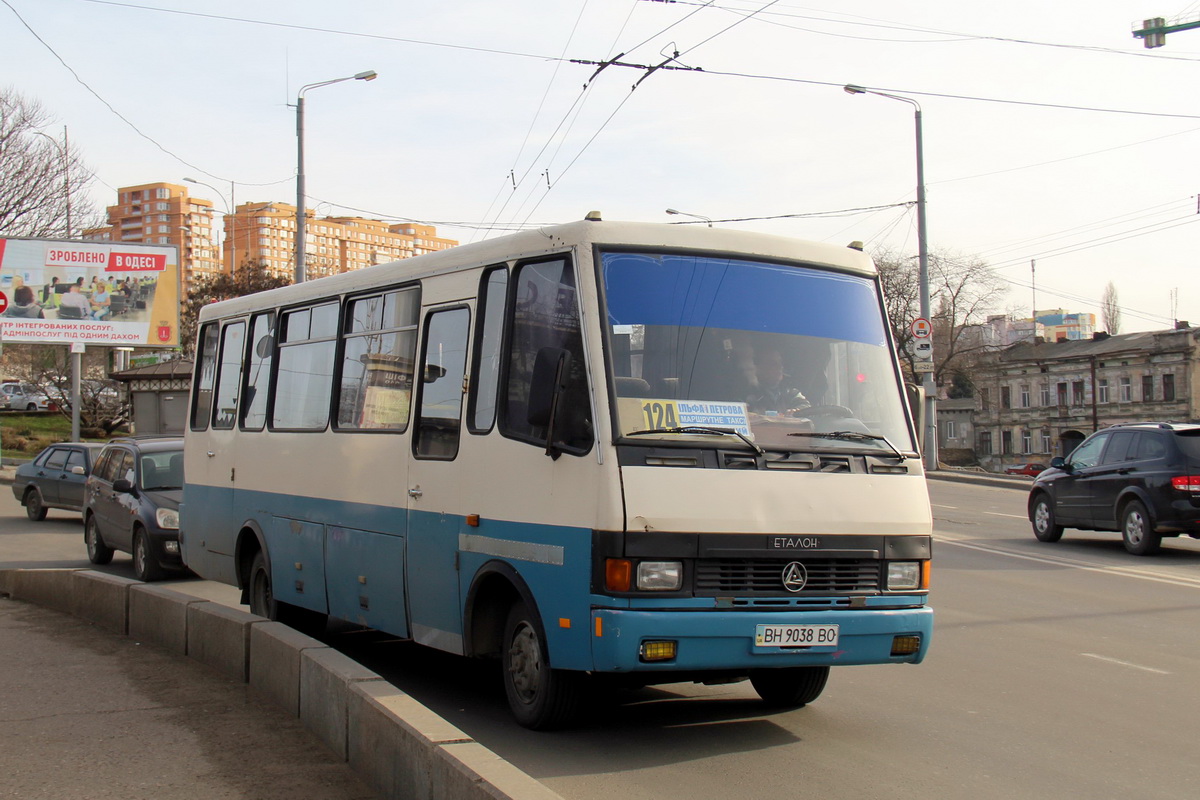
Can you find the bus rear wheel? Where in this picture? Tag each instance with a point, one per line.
(541, 698)
(263, 602)
(790, 687)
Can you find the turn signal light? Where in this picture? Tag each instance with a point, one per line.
(905, 645)
(658, 651)
(618, 574)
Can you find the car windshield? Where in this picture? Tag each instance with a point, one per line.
(162, 470)
(774, 352)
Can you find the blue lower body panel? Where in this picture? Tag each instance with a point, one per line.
(724, 640)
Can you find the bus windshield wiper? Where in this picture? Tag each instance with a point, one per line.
(854, 436)
(704, 429)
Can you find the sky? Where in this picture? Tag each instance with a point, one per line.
(1057, 149)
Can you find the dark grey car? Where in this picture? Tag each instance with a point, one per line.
(131, 504)
(1142, 479)
(55, 478)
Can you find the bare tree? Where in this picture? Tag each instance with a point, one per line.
(251, 277)
(43, 179)
(1110, 309)
(963, 292)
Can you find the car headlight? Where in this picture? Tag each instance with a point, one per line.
(167, 518)
(904, 575)
(659, 576)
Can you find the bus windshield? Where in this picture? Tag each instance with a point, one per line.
(778, 353)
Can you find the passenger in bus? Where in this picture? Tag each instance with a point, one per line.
(775, 392)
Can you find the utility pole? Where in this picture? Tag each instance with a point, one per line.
(1153, 32)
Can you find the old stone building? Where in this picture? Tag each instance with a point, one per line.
(1039, 400)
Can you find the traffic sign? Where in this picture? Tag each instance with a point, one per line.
(921, 328)
(922, 366)
(3, 302)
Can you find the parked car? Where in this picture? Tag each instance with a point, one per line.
(1030, 470)
(1142, 479)
(55, 478)
(131, 504)
(18, 396)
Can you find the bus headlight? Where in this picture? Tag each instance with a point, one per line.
(167, 518)
(659, 576)
(903, 575)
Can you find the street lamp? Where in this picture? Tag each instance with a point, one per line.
(64, 151)
(229, 213)
(686, 214)
(369, 75)
(931, 443)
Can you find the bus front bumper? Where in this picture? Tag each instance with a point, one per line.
(725, 640)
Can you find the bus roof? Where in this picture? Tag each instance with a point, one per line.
(551, 239)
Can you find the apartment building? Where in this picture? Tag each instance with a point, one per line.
(1040, 399)
(266, 232)
(164, 213)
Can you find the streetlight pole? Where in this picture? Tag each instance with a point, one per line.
(931, 442)
(64, 151)
(686, 214)
(230, 210)
(369, 75)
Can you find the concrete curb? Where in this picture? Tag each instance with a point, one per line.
(394, 743)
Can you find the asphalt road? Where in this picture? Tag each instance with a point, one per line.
(1056, 670)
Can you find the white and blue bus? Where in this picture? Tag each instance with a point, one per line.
(598, 451)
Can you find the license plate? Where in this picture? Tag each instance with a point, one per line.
(796, 636)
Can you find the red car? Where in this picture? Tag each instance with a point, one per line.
(1029, 470)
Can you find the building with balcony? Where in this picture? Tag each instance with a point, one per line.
(1039, 399)
(164, 213)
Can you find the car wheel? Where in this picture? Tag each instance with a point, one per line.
(35, 509)
(98, 552)
(540, 698)
(1042, 517)
(31, 407)
(145, 567)
(790, 687)
(1137, 531)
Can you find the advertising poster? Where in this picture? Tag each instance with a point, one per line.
(101, 293)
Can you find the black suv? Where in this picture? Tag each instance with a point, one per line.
(1142, 479)
(131, 503)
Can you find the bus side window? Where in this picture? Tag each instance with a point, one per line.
(489, 336)
(258, 372)
(443, 366)
(546, 315)
(304, 372)
(229, 376)
(205, 377)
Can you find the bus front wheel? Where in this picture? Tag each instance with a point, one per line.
(790, 687)
(541, 698)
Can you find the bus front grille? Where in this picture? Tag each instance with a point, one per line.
(765, 576)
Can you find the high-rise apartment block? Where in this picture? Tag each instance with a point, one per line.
(164, 213)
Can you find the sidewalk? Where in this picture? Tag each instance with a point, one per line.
(84, 713)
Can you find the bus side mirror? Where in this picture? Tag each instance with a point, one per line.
(916, 406)
(546, 385)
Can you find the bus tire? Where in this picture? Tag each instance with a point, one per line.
(263, 602)
(790, 687)
(540, 698)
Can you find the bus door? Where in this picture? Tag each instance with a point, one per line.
(436, 481)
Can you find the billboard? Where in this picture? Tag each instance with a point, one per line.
(55, 291)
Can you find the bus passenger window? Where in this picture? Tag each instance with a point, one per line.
(304, 381)
(546, 315)
(258, 372)
(229, 377)
(205, 378)
(486, 370)
(444, 363)
(377, 361)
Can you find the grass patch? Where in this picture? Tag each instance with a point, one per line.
(26, 435)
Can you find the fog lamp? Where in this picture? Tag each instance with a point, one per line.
(904, 575)
(659, 576)
(658, 651)
(171, 547)
(905, 645)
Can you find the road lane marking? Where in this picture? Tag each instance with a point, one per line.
(1126, 663)
(1128, 572)
(1014, 516)
(939, 505)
